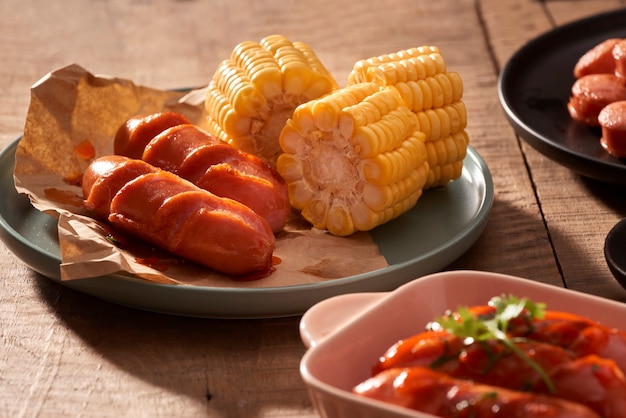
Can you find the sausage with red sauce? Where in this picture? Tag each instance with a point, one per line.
(174, 214)
(435, 393)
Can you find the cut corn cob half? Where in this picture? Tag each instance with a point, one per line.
(253, 93)
(353, 159)
(435, 96)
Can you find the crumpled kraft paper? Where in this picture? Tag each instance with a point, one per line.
(72, 106)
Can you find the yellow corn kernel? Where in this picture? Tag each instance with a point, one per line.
(411, 64)
(445, 158)
(434, 95)
(353, 159)
(255, 91)
(442, 121)
(431, 92)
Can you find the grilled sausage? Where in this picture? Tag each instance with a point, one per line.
(597, 60)
(436, 393)
(612, 120)
(591, 381)
(488, 362)
(106, 176)
(619, 58)
(565, 346)
(208, 162)
(577, 334)
(174, 214)
(591, 93)
(133, 136)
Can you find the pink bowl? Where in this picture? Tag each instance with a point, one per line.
(346, 334)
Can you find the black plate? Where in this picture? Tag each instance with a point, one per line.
(534, 88)
(615, 251)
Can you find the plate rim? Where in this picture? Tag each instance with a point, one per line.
(473, 228)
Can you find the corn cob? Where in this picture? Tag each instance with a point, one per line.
(353, 159)
(253, 93)
(434, 95)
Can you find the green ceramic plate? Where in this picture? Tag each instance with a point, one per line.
(440, 228)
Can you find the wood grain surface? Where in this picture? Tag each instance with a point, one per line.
(63, 353)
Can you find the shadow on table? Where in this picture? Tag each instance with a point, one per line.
(613, 195)
(515, 242)
(228, 367)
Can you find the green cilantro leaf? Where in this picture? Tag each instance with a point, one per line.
(507, 307)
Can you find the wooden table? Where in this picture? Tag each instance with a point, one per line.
(63, 353)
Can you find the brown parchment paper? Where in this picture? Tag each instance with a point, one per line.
(72, 105)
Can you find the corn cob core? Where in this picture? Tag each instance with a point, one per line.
(434, 95)
(353, 159)
(253, 93)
